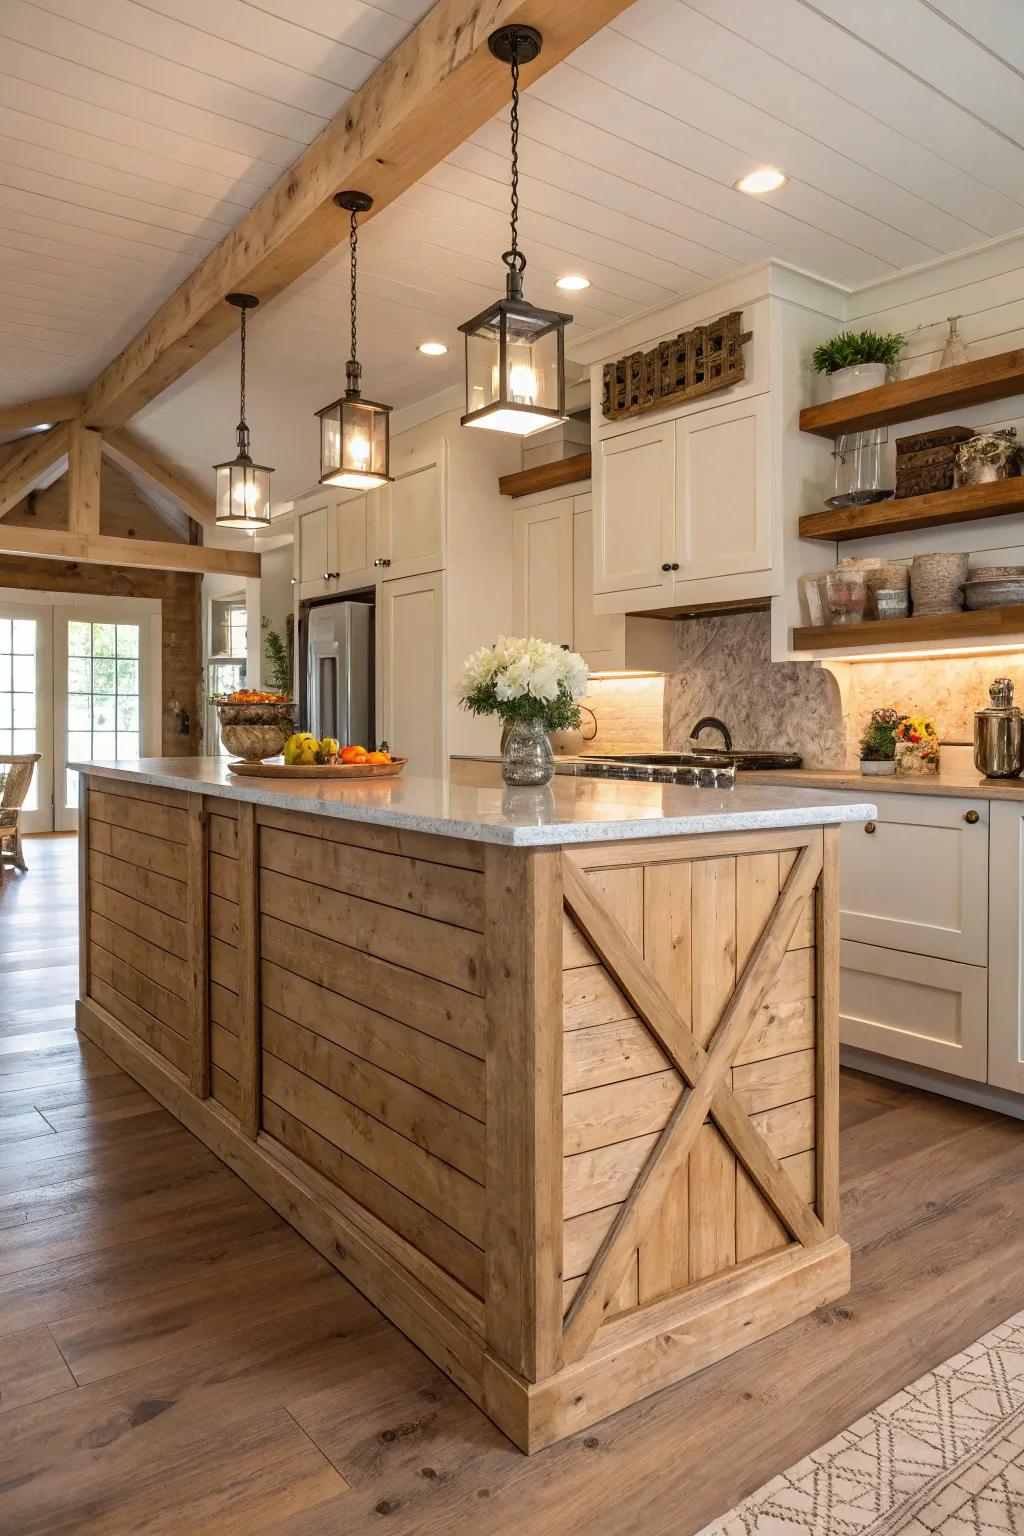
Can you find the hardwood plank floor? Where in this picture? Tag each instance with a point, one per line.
(174, 1360)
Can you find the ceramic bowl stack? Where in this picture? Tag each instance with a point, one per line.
(994, 586)
(936, 583)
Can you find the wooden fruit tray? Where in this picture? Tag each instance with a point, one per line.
(321, 770)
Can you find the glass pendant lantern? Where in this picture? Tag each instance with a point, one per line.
(515, 353)
(243, 488)
(354, 446)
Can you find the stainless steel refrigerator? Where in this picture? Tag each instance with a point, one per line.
(337, 640)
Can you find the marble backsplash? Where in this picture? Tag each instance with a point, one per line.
(723, 669)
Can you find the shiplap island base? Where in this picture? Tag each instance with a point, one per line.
(550, 1077)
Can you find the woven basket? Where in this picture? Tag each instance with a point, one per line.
(935, 582)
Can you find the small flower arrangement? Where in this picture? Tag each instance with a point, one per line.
(525, 679)
(917, 745)
(878, 743)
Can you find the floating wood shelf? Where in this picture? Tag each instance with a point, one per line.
(963, 628)
(546, 477)
(935, 510)
(946, 389)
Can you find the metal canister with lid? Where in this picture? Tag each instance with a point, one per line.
(999, 734)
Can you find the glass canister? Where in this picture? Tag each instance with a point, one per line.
(861, 476)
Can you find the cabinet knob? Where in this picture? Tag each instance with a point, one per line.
(869, 826)
(666, 566)
(675, 565)
(972, 818)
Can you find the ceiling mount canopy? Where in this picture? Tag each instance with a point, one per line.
(354, 433)
(515, 353)
(243, 488)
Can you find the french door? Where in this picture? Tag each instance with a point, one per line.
(79, 680)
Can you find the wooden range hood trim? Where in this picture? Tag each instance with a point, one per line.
(546, 477)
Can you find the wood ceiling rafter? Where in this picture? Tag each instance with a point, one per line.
(148, 554)
(46, 411)
(28, 462)
(438, 87)
(137, 458)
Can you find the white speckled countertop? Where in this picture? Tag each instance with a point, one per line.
(568, 810)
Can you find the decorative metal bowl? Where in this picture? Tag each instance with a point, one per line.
(253, 732)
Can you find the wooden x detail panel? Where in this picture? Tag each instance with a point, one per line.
(707, 1089)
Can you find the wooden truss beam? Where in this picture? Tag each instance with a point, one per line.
(84, 447)
(39, 413)
(437, 88)
(150, 554)
(137, 457)
(28, 462)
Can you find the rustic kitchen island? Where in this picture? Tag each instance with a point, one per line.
(549, 1075)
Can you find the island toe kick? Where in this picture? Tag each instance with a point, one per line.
(566, 1115)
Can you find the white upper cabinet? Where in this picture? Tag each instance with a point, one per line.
(353, 519)
(542, 573)
(634, 513)
(723, 491)
(600, 638)
(313, 551)
(411, 651)
(410, 521)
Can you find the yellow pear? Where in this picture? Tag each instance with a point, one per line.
(329, 747)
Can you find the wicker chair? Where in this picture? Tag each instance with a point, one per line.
(15, 778)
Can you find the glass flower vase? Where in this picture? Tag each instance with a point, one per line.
(526, 756)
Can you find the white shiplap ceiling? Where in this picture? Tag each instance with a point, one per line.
(135, 133)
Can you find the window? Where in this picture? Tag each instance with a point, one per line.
(104, 703)
(18, 722)
(226, 667)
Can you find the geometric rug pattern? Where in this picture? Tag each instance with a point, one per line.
(943, 1457)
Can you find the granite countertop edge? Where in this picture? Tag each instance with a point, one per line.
(488, 828)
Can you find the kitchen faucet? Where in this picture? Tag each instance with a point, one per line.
(718, 725)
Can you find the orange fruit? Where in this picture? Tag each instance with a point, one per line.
(353, 754)
(378, 757)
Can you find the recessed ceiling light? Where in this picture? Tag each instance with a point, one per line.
(432, 348)
(573, 282)
(767, 179)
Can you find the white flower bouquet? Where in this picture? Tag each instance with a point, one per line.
(525, 680)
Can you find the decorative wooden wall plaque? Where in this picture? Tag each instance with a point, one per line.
(695, 363)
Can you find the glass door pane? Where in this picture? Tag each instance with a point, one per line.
(25, 694)
(104, 695)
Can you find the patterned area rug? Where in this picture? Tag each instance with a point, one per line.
(944, 1457)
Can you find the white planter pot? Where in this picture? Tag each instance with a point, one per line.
(850, 381)
(877, 765)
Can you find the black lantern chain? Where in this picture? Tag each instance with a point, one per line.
(243, 429)
(513, 258)
(352, 243)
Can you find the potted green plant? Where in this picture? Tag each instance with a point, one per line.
(856, 360)
(878, 743)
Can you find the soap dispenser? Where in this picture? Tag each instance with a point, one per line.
(999, 734)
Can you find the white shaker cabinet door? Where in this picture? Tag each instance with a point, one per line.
(410, 511)
(599, 637)
(542, 571)
(914, 1008)
(634, 512)
(412, 663)
(314, 544)
(916, 879)
(723, 491)
(353, 518)
(1006, 948)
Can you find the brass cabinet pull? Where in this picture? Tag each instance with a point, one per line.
(972, 818)
(869, 826)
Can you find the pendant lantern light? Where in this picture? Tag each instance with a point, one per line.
(515, 353)
(354, 447)
(243, 488)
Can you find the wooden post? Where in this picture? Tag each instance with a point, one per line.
(523, 1223)
(84, 452)
(83, 885)
(827, 1053)
(249, 1048)
(199, 943)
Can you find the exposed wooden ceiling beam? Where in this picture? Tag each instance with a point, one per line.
(84, 448)
(151, 554)
(38, 413)
(28, 463)
(137, 457)
(436, 89)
